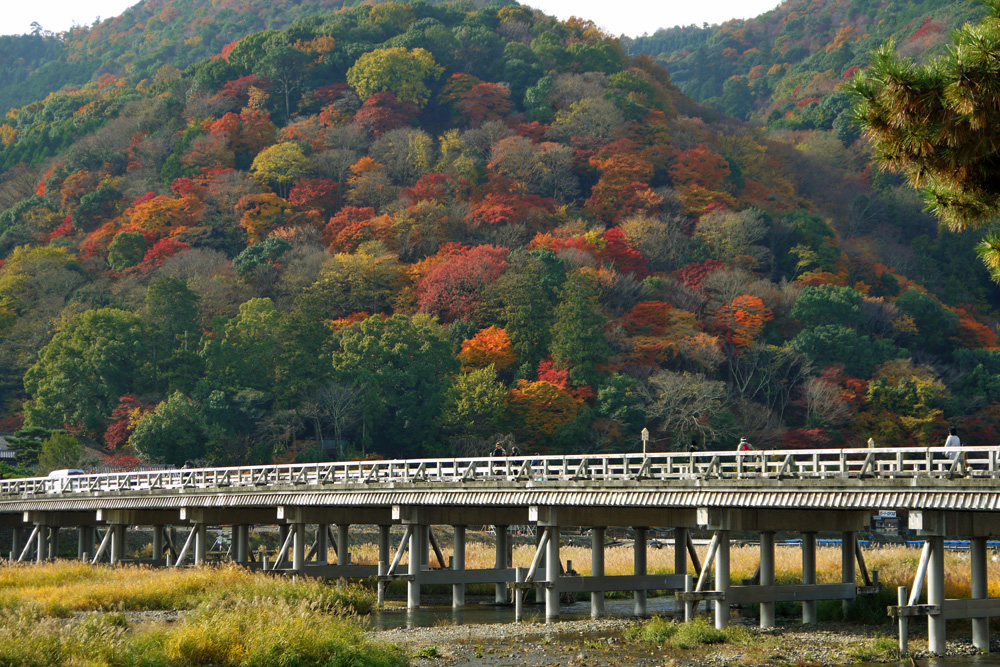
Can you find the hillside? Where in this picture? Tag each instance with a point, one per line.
(417, 229)
(784, 67)
(152, 36)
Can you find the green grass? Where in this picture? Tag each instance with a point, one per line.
(876, 649)
(699, 632)
(259, 633)
(74, 615)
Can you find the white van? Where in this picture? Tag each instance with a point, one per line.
(65, 472)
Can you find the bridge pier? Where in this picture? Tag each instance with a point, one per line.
(808, 574)
(980, 626)
(848, 562)
(343, 544)
(417, 551)
(681, 537)
(298, 547)
(501, 562)
(597, 569)
(767, 576)
(639, 553)
(458, 565)
(722, 579)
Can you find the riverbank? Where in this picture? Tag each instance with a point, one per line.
(602, 643)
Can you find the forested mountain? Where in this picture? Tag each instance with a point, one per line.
(785, 66)
(409, 229)
(152, 37)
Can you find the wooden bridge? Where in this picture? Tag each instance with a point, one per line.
(948, 493)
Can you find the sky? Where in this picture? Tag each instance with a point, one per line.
(628, 17)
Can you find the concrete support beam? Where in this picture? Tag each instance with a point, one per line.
(138, 517)
(364, 516)
(458, 564)
(722, 579)
(956, 525)
(343, 544)
(221, 516)
(298, 547)
(500, 533)
(848, 561)
(761, 520)
(200, 543)
(322, 542)
(660, 517)
(241, 543)
(157, 543)
(980, 626)
(809, 574)
(767, 576)
(416, 551)
(117, 542)
(639, 558)
(597, 569)
(60, 519)
(467, 516)
(552, 573)
(935, 596)
(384, 546)
(680, 550)
(42, 546)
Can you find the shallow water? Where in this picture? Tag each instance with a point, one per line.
(477, 611)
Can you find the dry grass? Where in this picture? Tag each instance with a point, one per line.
(58, 589)
(896, 564)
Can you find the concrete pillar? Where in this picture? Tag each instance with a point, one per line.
(980, 626)
(552, 574)
(935, 595)
(344, 544)
(42, 544)
(282, 536)
(54, 543)
(299, 547)
(597, 569)
(117, 542)
(200, 543)
(322, 543)
(425, 547)
(158, 543)
(809, 574)
(639, 555)
(16, 543)
(767, 576)
(848, 561)
(680, 551)
(722, 579)
(458, 564)
(241, 542)
(539, 591)
(384, 560)
(501, 561)
(418, 538)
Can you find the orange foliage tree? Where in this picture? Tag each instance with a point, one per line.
(742, 320)
(539, 408)
(489, 346)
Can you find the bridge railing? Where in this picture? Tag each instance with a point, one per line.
(936, 462)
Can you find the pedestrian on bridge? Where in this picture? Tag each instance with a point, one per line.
(953, 441)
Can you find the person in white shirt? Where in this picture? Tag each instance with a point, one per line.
(953, 441)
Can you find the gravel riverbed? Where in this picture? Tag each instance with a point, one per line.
(601, 643)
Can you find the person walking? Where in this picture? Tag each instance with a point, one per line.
(953, 441)
(514, 451)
